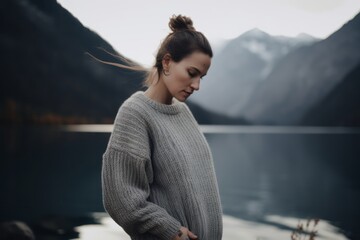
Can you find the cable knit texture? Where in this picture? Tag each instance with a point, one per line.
(158, 172)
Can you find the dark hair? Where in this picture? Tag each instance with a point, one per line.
(181, 42)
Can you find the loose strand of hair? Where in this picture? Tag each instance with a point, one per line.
(121, 58)
(132, 67)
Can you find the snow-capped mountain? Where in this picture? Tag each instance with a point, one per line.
(240, 66)
(304, 77)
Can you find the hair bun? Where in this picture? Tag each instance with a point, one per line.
(179, 22)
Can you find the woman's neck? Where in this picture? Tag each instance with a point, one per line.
(158, 92)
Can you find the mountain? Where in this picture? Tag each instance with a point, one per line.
(304, 77)
(341, 107)
(242, 65)
(47, 77)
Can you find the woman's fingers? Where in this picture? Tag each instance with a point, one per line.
(192, 235)
(186, 234)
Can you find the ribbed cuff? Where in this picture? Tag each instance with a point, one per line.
(170, 230)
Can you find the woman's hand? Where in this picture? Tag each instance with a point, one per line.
(186, 234)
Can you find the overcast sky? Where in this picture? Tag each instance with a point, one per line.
(135, 28)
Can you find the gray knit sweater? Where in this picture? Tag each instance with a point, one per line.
(158, 172)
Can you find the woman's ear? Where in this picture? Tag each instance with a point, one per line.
(166, 61)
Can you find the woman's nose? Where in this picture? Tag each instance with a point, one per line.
(196, 84)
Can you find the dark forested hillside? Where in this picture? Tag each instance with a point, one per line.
(46, 76)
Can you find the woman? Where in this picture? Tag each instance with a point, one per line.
(158, 177)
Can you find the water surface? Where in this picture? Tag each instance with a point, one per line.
(269, 179)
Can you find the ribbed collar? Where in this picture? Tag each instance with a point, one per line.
(174, 108)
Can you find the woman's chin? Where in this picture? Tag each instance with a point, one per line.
(181, 98)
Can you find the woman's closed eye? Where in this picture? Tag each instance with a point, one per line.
(192, 74)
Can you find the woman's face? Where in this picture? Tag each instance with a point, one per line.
(184, 76)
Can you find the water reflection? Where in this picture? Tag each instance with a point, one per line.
(234, 229)
(300, 175)
(106, 229)
(269, 178)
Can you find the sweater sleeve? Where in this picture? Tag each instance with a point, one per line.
(126, 177)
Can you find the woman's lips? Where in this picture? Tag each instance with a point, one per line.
(187, 93)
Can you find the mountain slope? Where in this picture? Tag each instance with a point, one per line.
(46, 76)
(304, 77)
(241, 66)
(341, 107)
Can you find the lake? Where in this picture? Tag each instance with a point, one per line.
(270, 179)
